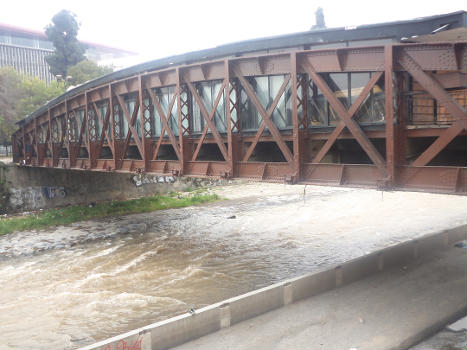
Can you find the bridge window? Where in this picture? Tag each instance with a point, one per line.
(346, 87)
(80, 116)
(266, 89)
(164, 96)
(372, 110)
(208, 91)
(72, 127)
(130, 102)
(102, 109)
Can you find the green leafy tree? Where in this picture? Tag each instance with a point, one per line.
(10, 93)
(63, 32)
(87, 70)
(19, 96)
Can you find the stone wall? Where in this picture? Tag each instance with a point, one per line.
(27, 189)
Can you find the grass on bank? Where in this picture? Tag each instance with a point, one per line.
(68, 215)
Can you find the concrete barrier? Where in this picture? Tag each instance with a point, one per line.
(180, 329)
(29, 188)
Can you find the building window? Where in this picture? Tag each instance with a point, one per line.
(346, 87)
(164, 95)
(20, 41)
(266, 89)
(208, 92)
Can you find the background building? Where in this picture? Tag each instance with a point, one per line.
(26, 49)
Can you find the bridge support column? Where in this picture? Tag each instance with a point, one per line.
(296, 134)
(389, 117)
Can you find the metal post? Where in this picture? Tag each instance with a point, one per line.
(227, 110)
(141, 118)
(389, 114)
(180, 127)
(295, 136)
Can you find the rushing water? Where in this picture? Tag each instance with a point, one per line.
(72, 286)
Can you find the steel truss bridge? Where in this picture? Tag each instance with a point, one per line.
(386, 116)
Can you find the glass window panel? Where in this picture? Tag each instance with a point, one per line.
(102, 109)
(173, 122)
(317, 107)
(378, 101)
(279, 115)
(164, 96)
(17, 40)
(43, 44)
(373, 109)
(339, 84)
(5, 39)
(358, 82)
(80, 116)
(219, 116)
(156, 121)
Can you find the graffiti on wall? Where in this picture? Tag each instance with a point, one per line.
(31, 198)
(141, 179)
(141, 341)
(54, 192)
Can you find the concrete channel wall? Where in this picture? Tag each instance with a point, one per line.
(186, 327)
(29, 189)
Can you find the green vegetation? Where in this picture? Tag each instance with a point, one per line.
(19, 96)
(86, 70)
(68, 215)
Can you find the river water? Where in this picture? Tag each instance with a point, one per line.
(72, 286)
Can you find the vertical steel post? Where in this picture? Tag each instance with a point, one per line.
(86, 114)
(51, 140)
(227, 110)
(295, 135)
(389, 114)
(141, 118)
(112, 128)
(180, 127)
(66, 137)
(35, 142)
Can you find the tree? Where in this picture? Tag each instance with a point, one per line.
(19, 96)
(87, 70)
(10, 94)
(62, 32)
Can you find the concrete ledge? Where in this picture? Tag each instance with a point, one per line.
(180, 329)
(432, 329)
(256, 303)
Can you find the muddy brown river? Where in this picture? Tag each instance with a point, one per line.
(71, 286)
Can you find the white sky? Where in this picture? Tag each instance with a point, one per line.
(162, 28)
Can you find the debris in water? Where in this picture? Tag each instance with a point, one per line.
(232, 217)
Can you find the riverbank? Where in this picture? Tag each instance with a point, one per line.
(68, 215)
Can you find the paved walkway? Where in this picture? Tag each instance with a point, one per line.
(391, 310)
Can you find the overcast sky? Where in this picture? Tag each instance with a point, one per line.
(161, 28)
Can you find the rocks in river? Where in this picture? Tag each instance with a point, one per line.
(133, 228)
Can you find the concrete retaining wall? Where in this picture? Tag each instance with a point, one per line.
(186, 327)
(28, 188)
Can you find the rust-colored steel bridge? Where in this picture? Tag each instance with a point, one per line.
(389, 116)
